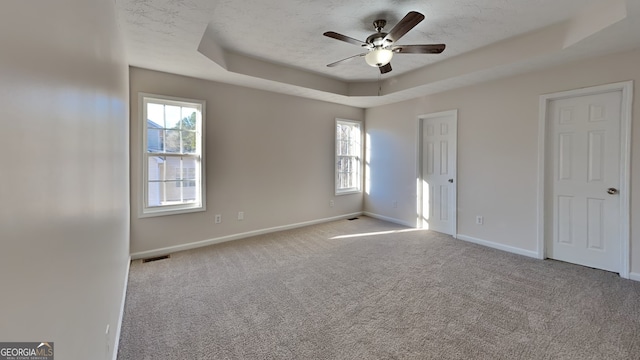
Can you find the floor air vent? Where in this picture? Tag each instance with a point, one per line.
(355, 218)
(155, 258)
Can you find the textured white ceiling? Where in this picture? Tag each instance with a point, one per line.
(165, 34)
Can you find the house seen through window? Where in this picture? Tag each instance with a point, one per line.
(173, 155)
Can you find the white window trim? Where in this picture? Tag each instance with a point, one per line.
(358, 189)
(143, 210)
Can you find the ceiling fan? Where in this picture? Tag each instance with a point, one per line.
(381, 46)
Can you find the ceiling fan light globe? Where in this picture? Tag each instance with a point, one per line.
(378, 57)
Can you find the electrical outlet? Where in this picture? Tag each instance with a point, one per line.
(479, 220)
(240, 215)
(331, 203)
(218, 218)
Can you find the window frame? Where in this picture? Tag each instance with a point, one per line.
(359, 158)
(199, 156)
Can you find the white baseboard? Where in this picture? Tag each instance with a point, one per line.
(634, 276)
(389, 219)
(121, 316)
(507, 248)
(197, 244)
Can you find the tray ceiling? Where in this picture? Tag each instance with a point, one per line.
(278, 45)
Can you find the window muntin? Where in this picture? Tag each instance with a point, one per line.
(348, 171)
(173, 176)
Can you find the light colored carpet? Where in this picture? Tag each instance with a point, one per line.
(325, 292)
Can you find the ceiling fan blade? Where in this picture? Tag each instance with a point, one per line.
(345, 60)
(385, 68)
(419, 49)
(407, 23)
(350, 40)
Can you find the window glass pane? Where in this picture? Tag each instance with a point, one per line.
(353, 172)
(154, 140)
(189, 167)
(343, 170)
(154, 193)
(188, 118)
(188, 142)
(156, 168)
(172, 141)
(347, 139)
(340, 140)
(171, 193)
(347, 172)
(188, 190)
(344, 147)
(155, 114)
(172, 116)
(190, 175)
(189, 178)
(172, 168)
(343, 180)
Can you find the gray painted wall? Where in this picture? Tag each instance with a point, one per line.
(64, 209)
(268, 155)
(497, 150)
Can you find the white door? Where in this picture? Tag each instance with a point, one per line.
(585, 136)
(438, 172)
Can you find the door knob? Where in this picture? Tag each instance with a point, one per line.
(612, 191)
(451, 181)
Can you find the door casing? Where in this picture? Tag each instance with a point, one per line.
(625, 164)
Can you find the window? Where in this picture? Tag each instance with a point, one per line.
(172, 148)
(348, 156)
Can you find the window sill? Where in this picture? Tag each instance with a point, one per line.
(153, 212)
(348, 192)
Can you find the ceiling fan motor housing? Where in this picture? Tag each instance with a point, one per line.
(377, 40)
